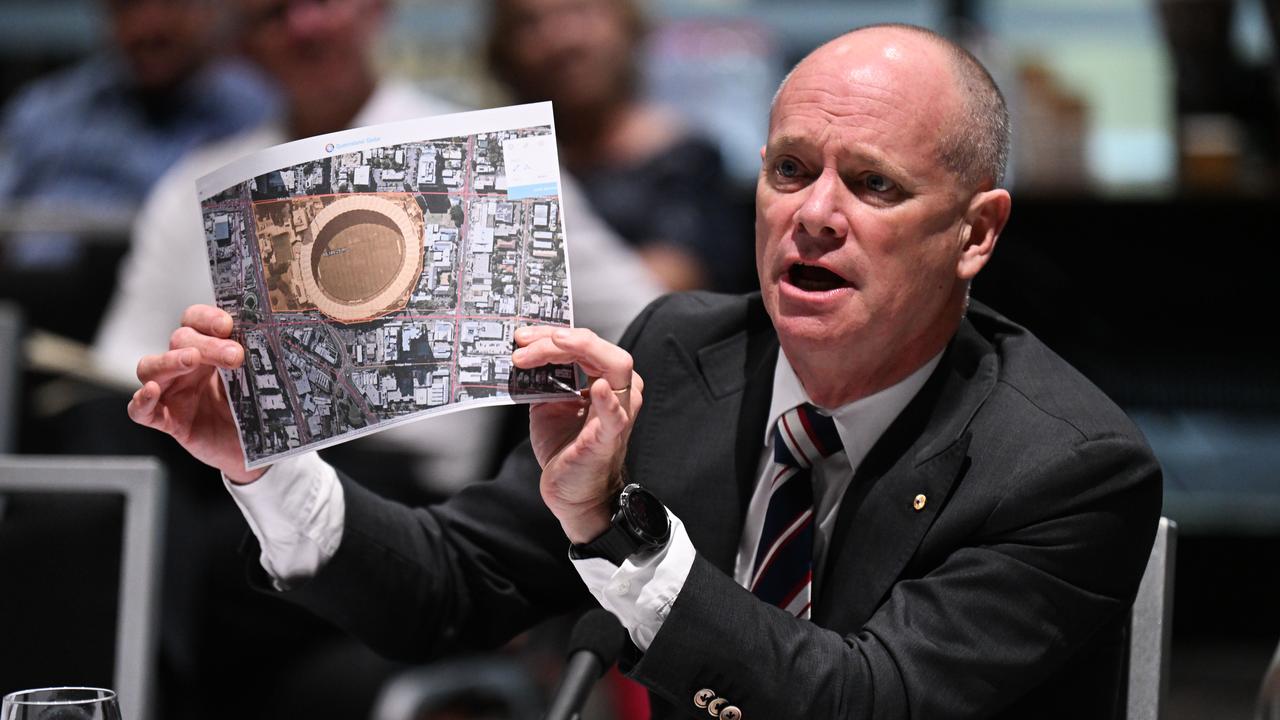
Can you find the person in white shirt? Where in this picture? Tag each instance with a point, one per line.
(960, 519)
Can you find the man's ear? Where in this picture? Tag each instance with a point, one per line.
(983, 222)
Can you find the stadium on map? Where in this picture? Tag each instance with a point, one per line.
(364, 259)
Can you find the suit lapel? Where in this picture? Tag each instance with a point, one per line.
(923, 452)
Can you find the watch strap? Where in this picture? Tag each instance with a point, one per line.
(614, 545)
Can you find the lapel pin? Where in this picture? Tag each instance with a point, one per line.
(919, 502)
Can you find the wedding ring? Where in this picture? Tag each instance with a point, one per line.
(620, 390)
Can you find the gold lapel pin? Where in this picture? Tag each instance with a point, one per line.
(919, 502)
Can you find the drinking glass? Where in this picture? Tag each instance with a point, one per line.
(60, 703)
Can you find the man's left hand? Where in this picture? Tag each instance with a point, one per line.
(581, 445)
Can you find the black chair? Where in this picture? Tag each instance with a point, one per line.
(80, 545)
(1269, 694)
(10, 362)
(1150, 629)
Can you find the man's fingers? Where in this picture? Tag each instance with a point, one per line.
(207, 320)
(213, 350)
(143, 404)
(529, 333)
(630, 396)
(167, 365)
(636, 396)
(596, 356)
(175, 363)
(608, 406)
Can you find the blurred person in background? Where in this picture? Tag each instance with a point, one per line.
(320, 52)
(1227, 111)
(658, 183)
(93, 138)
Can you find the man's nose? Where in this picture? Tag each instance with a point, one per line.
(563, 29)
(821, 214)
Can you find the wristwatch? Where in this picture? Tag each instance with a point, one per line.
(639, 522)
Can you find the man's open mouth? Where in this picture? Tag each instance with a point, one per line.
(812, 278)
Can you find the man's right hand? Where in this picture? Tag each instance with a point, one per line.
(183, 396)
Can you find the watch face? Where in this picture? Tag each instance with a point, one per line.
(645, 514)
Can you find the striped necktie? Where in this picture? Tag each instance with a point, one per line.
(782, 573)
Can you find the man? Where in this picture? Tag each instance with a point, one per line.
(94, 138)
(978, 515)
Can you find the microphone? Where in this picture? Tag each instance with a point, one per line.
(594, 646)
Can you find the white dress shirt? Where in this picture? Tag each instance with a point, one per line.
(296, 510)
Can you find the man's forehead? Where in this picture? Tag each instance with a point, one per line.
(888, 77)
(816, 109)
(892, 44)
(884, 59)
(873, 60)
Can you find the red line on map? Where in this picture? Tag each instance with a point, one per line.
(460, 193)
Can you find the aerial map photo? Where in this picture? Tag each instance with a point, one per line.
(381, 283)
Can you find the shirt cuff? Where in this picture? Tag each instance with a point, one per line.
(641, 591)
(296, 510)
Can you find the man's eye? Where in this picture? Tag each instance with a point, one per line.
(879, 183)
(788, 168)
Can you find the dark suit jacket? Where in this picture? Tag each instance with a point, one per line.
(1006, 595)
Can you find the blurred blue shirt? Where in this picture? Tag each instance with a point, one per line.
(86, 139)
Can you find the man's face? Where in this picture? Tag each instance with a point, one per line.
(574, 52)
(302, 42)
(859, 228)
(162, 40)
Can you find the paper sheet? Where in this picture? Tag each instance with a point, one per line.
(376, 275)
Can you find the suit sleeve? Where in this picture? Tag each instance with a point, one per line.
(1053, 563)
(417, 583)
(469, 574)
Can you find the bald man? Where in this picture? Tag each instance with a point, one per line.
(854, 494)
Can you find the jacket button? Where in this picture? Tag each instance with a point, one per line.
(731, 713)
(703, 696)
(713, 708)
(919, 502)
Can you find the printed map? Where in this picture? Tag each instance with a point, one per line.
(379, 282)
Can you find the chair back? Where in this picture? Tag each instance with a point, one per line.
(1148, 689)
(54, 604)
(1269, 693)
(10, 372)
